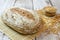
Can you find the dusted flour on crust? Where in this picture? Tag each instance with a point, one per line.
(22, 20)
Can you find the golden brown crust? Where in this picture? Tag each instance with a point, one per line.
(50, 11)
(23, 13)
(20, 22)
(51, 24)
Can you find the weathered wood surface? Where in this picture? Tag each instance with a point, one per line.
(32, 5)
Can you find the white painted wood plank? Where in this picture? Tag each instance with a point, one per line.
(21, 3)
(39, 4)
(3, 36)
(51, 36)
(56, 3)
(24, 3)
(5, 4)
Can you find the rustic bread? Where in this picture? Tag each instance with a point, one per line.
(48, 11)
(22, 20)
(51, 21)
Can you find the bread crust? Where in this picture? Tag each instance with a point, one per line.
(22, 20)
(51, 23)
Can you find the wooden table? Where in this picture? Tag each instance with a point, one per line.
(31, 5)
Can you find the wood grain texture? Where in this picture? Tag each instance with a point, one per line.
(56, 4)
(3, 36)
(13, 34)
(31, 5)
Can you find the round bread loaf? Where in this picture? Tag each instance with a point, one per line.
(50, 11)
(22, 20)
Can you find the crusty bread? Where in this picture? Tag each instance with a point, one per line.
(22, 20)
(51, 22)
(49, 11)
